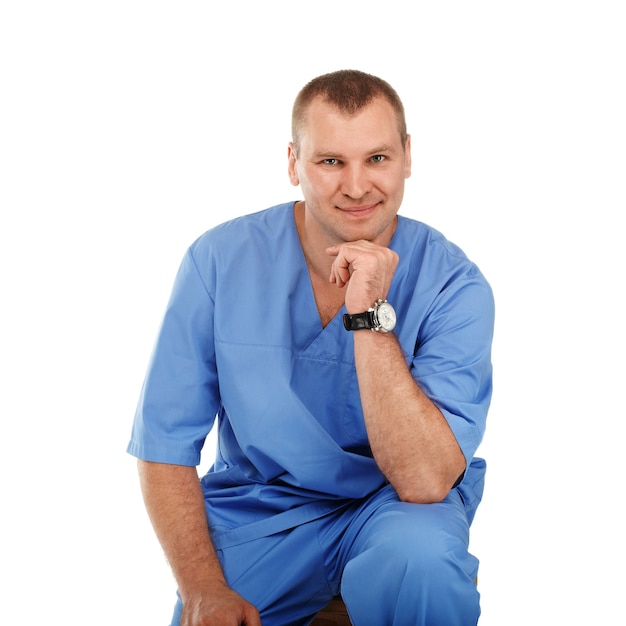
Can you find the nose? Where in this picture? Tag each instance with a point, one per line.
(355, 182)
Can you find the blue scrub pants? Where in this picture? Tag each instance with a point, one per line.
(394, 563)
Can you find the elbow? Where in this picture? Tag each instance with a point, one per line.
(427, 492)
(422, 496)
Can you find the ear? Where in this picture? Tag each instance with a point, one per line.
(292, 165)
(407, 157)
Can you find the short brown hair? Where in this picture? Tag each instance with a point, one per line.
(349, 91)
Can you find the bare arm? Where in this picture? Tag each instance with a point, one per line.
(175, 505)
(409, 436)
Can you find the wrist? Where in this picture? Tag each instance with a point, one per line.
(379, 317)
(207, 588)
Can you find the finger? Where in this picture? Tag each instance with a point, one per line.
(340, 276)
(252, 617)
(340, 271)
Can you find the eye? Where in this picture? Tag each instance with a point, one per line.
(330, 161)
(378, 158)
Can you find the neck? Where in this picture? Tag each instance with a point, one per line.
(328, 297)
(314, 249)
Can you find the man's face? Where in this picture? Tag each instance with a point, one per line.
(351, 169)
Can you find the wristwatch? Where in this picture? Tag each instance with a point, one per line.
(380, 318)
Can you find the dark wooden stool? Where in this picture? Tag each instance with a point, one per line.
(333, 614)
(336, 614)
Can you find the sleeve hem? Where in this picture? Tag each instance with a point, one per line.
(162, 455)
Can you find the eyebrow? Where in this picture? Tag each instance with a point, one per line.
(336, 155)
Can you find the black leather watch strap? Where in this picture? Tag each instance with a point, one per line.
(359, 321)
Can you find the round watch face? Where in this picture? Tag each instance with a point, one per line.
(386, 316)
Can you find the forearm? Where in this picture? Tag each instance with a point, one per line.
(410, 439)
(175, 505)
(409, 436)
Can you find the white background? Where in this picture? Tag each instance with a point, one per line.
(129, 128)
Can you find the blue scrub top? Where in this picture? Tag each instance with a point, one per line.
(242, 341)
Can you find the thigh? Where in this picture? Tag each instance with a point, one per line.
(283, 575)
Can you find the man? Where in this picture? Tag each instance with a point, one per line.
(345, 351)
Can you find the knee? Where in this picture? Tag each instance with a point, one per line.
(393, 585)
(399, 558)
(421, 573)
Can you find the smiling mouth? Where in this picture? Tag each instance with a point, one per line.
(359, 210)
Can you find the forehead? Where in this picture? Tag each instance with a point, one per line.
(326, 126)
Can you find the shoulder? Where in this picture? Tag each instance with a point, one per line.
(424, 245)
(249, 237)
(412, 234)
(238, 231)
(431, 265)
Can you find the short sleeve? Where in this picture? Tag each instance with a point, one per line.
(180, 395)
(452, 360)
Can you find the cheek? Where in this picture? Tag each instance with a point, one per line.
(395, 186)
(315, 186)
